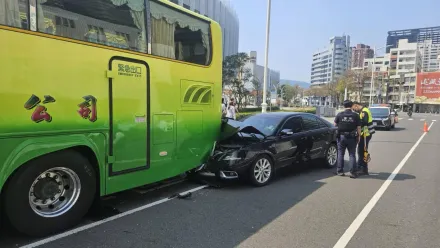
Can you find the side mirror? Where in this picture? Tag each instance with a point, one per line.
(286, 132)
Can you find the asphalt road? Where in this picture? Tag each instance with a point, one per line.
(305, 207)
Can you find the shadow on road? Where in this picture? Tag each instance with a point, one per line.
(398, 129)
(384, 176)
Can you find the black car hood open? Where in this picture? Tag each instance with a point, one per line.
(232, 127)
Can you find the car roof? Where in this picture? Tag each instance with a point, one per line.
(281, 114)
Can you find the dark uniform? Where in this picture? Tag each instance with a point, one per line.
(347, 123)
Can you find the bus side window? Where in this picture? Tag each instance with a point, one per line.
(14, 13)
(110, 23)
(179, 36)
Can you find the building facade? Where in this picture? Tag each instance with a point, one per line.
(417, 35)
(379, 68)
(359, 53)
(394, 75)
(331, 62)
(430, 53)
(222, 12)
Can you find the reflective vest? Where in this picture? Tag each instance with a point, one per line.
(368, 129)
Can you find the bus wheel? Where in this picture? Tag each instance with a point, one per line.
(50, 193)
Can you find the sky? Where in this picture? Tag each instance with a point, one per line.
(300, 27)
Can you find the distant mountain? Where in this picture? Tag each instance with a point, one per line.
(302, 84)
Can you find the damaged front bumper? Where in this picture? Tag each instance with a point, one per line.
(224, 169)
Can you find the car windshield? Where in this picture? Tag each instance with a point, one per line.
(379, 111)
(264, 123)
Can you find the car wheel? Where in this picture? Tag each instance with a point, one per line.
(50, 193)
(331, 156)
(261, 171)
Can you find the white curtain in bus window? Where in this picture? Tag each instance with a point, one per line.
(179, 36)
(13, 13)
(116, 23)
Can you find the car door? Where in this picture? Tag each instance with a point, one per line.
(288, 145)
(315, 135)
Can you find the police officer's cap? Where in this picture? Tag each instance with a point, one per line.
(347, 104)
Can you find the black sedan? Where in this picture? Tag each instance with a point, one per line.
(258, 145)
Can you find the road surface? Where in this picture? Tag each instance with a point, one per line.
(302, 208)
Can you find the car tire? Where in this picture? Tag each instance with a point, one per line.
(50, 193)
(261, 171)
(331, 156)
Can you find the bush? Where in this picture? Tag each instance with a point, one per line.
(258, 109)
(309, 110)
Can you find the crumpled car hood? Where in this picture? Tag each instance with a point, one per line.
(232, 127)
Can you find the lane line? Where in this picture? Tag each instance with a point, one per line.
(351, 230)
(95, 224)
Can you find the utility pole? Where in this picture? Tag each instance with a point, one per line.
(264, 104)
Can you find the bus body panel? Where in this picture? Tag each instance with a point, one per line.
(59, 88)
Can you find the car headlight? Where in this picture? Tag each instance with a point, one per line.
(233, 156)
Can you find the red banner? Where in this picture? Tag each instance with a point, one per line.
(428, 87)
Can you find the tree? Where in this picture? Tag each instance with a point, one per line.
(257, 86)
(289, 93)
(235, 76)
(353, 80)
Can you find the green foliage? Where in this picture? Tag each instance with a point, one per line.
(235, 75)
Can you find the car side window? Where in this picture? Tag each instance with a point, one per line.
(294, 124)
(321, 123)
(310, 123)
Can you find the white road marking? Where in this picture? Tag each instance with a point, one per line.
(422, 119)
(95, 224)
(351, 230)
(434, 120)
(410, 119)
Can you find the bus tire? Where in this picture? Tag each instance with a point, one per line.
(50, 193)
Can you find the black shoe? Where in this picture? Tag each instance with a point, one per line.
(340, 173)
(363, 171)
(353, 175)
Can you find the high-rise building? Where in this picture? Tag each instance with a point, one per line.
(417, 35)
(359, 53)
(430, 53)
(222, 12)
(331, 62)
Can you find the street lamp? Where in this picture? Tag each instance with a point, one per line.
(372, 72)
(264, 104)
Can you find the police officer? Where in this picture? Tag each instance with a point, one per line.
(349, 128)
(367, 129)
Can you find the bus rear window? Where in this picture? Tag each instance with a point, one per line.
(179, 36)
(14, 13)
(107, 22)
